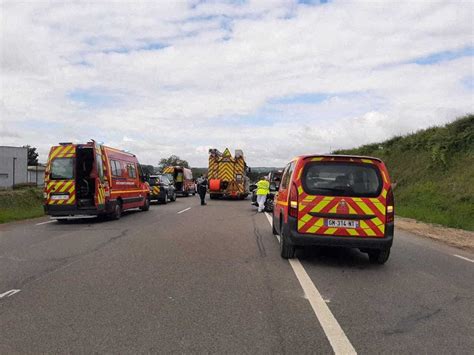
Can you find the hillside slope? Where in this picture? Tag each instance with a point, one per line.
(434, 172)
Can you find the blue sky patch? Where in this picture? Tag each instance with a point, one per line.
(445, 56)
(311, 98)
(93, 98)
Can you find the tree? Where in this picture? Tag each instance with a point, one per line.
(147, 169)
(173, 160)
(32, 155)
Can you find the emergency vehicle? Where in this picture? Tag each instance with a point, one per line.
(161, 188)
(227, 175)
(182, 178)
(335, 200)
(88, 180)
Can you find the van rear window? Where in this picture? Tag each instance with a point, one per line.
(342, 179)
(62, 169)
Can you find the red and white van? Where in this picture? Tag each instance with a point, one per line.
(88, 180)
(335, 200)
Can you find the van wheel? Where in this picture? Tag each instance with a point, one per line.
(165, 200)
(146, 204)
(379, 256)
(117, 213)
(173, 197)
(287, 251)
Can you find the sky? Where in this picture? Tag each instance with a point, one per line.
(273, 78)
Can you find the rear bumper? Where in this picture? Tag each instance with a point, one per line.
(160, 196)
(63, 211)
(302, 239)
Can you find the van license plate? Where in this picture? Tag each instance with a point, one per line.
(59, 197)
(341, 223)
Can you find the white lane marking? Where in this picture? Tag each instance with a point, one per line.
(9, 293)
(186, 209)
(336, 336)
(464, 258)
(38, 224)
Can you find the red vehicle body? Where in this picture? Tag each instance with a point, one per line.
(335, 200)
(182, 179)
(87, 180)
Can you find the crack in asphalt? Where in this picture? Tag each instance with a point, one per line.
(258, 239)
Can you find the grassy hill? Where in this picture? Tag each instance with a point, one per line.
(434, 172)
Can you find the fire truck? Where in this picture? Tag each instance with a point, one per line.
(227, 174)
(88, 180)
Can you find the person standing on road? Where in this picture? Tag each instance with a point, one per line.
(263, 189)
(202, 189)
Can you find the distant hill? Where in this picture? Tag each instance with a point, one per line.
(434, 172)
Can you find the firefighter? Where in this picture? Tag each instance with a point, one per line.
(202, 188)
(263, 189)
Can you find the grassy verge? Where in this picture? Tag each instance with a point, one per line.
(434, 172)
(20, 204)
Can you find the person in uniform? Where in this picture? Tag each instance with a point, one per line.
(263, 189)
(202, 185)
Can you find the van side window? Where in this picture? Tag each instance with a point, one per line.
(285, 180)
(116, 168)
(132, 171)
(100, 167)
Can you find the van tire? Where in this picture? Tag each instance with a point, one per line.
(379, 256)
(287, 251)
(165, 200)
(173, 197)
(117, 213)
(146, 204)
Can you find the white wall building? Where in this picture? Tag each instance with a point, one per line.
(13, 166)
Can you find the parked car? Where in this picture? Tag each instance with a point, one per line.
(161, 189)
(335, 200)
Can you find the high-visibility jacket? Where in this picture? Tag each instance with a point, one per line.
(263, 187)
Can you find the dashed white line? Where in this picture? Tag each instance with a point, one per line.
(336, 336)
(186, 209)
(463, 257)
(39, 224)
(9, 293)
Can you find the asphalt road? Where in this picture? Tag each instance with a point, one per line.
(210, 280)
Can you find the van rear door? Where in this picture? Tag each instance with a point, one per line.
(342, 197)
(100, 187)
(60, 184)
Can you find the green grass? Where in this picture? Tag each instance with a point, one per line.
(20, 204)
(434, 172)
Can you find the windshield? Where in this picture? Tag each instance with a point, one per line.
(342, 179)
(62, 169)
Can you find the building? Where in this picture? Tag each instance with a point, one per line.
(36, 174)
(13, 166)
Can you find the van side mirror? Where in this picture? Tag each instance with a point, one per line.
(273, 186)
(249, 170)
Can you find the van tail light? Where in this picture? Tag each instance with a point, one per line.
(390, 207)
(293, 202)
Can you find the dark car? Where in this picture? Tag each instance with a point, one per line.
(161, 188)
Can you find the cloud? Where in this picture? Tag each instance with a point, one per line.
(276, 78)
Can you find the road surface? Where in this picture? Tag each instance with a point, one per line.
(182, 278)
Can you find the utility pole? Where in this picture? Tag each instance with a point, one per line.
(14, 161)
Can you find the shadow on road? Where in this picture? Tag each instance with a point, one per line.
(335, 257)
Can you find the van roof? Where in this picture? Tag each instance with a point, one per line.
(338, 156)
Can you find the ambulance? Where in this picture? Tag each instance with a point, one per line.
(335, 200)
(89, 180)
(182, 178)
